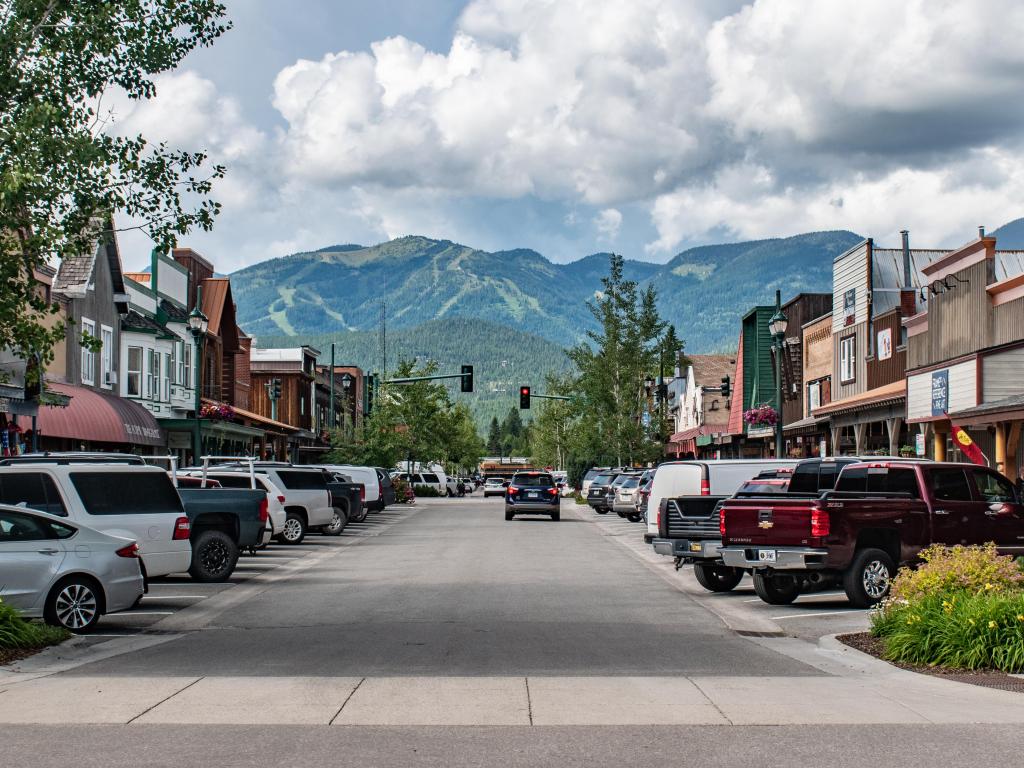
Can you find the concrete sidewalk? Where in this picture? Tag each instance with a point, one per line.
(901, 697)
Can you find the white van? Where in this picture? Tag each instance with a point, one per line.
(132, 501)
(715, 477)
(365, 475)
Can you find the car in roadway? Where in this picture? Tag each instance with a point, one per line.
(65, 573)
(533, 493)
(494, 486)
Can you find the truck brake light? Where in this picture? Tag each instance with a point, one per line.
(721, 522)
(182, 529)
(705, 487)
(264, 510)
(820, 523)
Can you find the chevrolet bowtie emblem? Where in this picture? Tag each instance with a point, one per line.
(765, 524)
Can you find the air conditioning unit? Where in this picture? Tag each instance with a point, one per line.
(110, 378)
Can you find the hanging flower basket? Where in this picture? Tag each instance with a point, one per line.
(761, 416)
(217, 412)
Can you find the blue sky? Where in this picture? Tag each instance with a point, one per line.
(579, 126)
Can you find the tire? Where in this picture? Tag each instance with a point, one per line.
(601, 511)
(869, 577)
(776, 588)
(509, 514)
(635, 517)
(556, 516)
(294, 529)
(214, 555)
(621, 514)
(363, 512)
(74, 603)
(448, 493)
(717, 578)
(337, 524)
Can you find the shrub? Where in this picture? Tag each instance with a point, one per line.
(18, 634)
(960, 630)
(947, 570)
(426, 491)
(579, 499)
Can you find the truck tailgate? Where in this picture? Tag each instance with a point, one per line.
(775, 521)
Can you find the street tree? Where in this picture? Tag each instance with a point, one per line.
(64, 168)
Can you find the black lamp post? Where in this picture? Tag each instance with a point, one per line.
(777, 327)
(197, 325)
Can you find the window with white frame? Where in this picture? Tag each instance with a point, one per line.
(187, 379)
(166, 378)
(813, 396)
(174, 362)
(847, 359)
(88, 356)
(106, 354)
(152, 374)
(134, 376)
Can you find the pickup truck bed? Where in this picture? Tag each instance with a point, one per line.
(224, 521)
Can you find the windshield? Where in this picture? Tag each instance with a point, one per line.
(533, 481)
(631, 482)
(603, 479)
(591, 474)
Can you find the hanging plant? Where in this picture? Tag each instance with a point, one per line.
(761, 416)
(219, 412)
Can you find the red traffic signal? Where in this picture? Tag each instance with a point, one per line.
(524, 397)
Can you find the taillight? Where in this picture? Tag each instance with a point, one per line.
(264, 510)
(280, 498)
(721, 523)
(362, 492)
(820, 523)
(513, 489)
(132, 550)
(182, 529)
(553, 491)
(705, 487)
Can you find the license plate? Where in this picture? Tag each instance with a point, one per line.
(766, 555)
(534, 495)
(695, 547)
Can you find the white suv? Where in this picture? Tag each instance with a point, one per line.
(132, 501)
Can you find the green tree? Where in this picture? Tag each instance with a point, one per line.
(494, 437)
(551, 429)
(63, 169)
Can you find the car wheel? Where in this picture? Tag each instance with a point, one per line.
(361, 515)
(294, 529)
(75, 604)
(509, 514)
(556, 516)
(601, 511)
(717, 578)
(337, 524)
(869, 577)
(776, 588)
(214, 555)
(634, 518)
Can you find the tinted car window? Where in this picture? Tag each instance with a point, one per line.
(591, 474)
(950, 485)
(235, 481)
(430, 477)
(126, 493)
(384, 478)
(35, 489)
(296, 480)
(18, 526)
(853, 479)
(893, 480)
(630, 482)
(993, 487)
(533, 481)
(603, 479)
(805, 479)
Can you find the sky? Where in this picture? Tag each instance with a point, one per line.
(578, 126)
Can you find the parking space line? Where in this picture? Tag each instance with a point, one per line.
(145, 613)
(174, 597)
(856, 611)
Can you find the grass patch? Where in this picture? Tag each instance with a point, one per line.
(18, 635)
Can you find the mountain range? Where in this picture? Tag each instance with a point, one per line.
(703, 291)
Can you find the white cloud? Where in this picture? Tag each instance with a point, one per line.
(608, 222)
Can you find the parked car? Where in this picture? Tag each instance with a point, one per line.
(65, 573)
(436, 480)
(378, 491)
(719, 477)
(494, 486)
(688, 525)
(133, 501)
(878, 518)
(588, 478)
(275, 498)
(625, 489)
(597, 494)
(532, 493)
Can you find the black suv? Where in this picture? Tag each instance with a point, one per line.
(533, 493)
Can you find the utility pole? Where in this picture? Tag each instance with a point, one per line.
(330, 407)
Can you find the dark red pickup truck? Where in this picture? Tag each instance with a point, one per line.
(879, 517)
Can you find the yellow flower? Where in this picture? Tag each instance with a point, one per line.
(991, 625)
(989, 586)
(972, 622)
(1020, 617)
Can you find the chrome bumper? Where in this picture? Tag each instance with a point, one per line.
(786, 558)
(702, 549)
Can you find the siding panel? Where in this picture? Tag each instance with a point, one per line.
(1003, 374)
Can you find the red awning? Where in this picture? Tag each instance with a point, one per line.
(98, 417)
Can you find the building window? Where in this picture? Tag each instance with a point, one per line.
(173, 363)
(107, 354)
(186, 366)
(152, 374)
(167, 376)
(88, 356)
(847, 359)
(134, 380)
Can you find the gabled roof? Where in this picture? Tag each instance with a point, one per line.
(75, 272)
(709, 370)
(136, 321)
(175, 314)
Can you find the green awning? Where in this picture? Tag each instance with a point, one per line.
(213, 428)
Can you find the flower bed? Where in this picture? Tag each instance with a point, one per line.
(962, 609)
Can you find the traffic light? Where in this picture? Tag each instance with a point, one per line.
(276, 393)
(726, 388)
(467, 378)
(524, 397)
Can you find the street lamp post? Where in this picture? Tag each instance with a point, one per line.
(197, 325)
(777, 327)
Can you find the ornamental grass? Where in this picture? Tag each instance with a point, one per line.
(18, 634)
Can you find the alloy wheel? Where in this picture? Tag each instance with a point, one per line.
(215, 556)
(292, 529)
(76, 606)
(876, 579)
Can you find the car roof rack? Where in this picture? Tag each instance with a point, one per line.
(74, 457)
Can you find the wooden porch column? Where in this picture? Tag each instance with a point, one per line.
(939, 444)
(893, 426)
(836, 434)
(1001, 446)
(1012, 445)
(859, 433)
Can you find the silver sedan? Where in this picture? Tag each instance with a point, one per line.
(68, 574)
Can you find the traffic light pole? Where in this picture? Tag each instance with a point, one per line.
(550, 397)
(412, 379)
